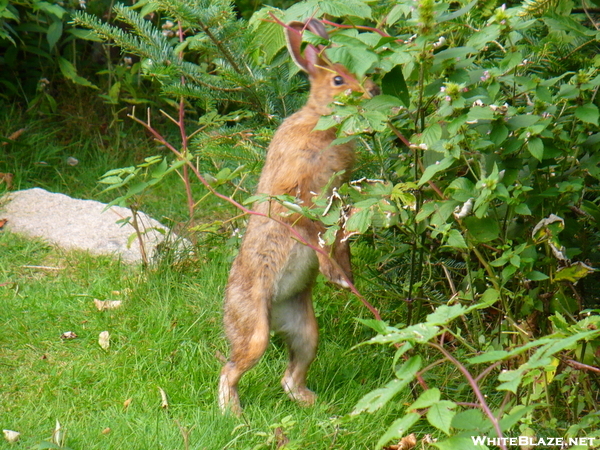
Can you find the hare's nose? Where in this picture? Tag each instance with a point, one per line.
(374, 90)
(371, 88)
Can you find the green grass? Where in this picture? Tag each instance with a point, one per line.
(167, 334)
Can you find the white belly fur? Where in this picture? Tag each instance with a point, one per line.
(298, 272)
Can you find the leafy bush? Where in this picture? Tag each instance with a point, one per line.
(486, 139)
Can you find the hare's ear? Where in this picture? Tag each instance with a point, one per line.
(293, 33)
(293, 37)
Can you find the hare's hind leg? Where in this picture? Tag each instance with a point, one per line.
(295, 320)
(247, 330)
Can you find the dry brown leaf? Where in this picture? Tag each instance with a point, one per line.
(406, 443)
(11, 436)
(2, 223)
(104, 340)
(58, 435)
(164, 401)
(7, 178)
(281, 438)
(106, 430)
(16, 135)
(103, 305)
(127, 402)
(68, 335)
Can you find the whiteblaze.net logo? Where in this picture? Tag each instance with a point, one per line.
(532, 441)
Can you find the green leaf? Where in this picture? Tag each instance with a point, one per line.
(459, 12)
(435, 168)
(268, 35)
(536, 148)
(456, 240)
(512, 379)
(393, 83)
(444, 314)
(478, 113)
(69, 71)
(534, 275)
(523, 121)
(573, 273)
(398, 429)
(458, 442)
(55, 30)
(440, 415)
(471, 419)
(482, 230)
(342, 8)
(489, 356)
(487, 34)
(426, 399)
(50, 8)
(587, 113)
(376, 399)
(515, 414)
(489, 297)
(432, 134)
(360, 221)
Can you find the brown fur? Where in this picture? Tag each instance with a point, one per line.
(270, 283)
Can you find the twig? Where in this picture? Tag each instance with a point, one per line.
(581, 366)
(480, 397)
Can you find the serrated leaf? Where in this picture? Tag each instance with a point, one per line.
(444, 314)
(489, 297)
(471, 419)
(426, 399)
(440, 415)
(587, 113)
(269, 36)
(456, 240)
(435, 168)
(360, 221)
(487, 34)
(432, 134)
(523, 121)
(478, 113)
(342, 8)
(536, 148)
(376, 399)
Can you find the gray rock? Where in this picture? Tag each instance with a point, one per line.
(80, 224)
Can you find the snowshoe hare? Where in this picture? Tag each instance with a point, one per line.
(270, 283)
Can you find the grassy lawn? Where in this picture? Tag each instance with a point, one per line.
(166, 335)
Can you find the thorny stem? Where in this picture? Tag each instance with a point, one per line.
(296, 235)
(473, 382)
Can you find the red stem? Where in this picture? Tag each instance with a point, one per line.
(480, 397)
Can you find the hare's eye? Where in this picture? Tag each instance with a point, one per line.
(338, 80)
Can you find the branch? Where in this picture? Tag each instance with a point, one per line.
(480, 397)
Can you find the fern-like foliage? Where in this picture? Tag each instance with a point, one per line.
(199, 51)
(537, 8)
